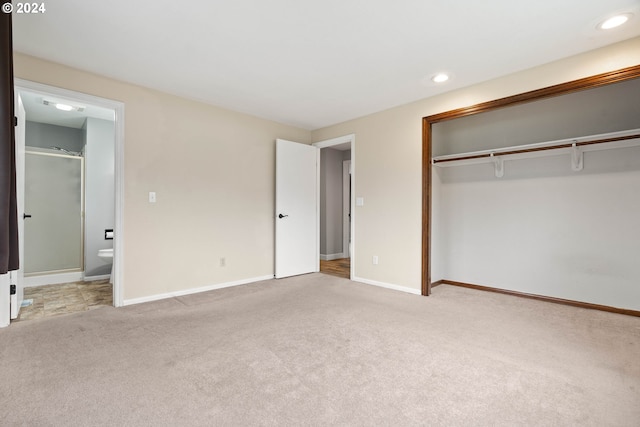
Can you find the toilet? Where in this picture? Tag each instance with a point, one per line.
(107, 256)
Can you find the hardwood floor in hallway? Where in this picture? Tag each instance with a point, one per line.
(338, 267)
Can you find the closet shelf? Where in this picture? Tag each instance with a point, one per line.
(574, 146)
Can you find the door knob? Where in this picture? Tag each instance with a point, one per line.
(282, 216)
(25, 216)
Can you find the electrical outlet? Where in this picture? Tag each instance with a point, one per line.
(223, 262)
(375, 260)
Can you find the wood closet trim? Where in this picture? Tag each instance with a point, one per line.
(554, 300)
(534, 95)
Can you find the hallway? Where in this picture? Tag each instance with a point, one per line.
(338, 267)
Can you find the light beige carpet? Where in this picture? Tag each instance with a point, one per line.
(321, 350)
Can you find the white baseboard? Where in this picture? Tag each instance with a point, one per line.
(195, 290)
(331, 257)
(387, 285)
(93, 278)
(53, 279)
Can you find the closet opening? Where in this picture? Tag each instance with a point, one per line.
(507, 150)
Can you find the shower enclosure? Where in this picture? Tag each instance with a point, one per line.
(54, 206)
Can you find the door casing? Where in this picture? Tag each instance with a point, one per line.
(118, 107)
(351, 138)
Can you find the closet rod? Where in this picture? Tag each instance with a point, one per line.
(530, 150)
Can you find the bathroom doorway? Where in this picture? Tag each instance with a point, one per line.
(73, 158)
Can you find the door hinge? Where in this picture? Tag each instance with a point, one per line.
(15, 121)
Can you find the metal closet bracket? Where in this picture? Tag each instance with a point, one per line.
(498, 164)
(577, 158)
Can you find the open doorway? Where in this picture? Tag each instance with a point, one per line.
(65, 129)
(336, 182)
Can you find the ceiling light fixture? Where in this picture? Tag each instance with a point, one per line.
(614, 21)
(64, 107)
(440, 78)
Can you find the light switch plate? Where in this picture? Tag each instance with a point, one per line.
(359, 201)
(152, 196)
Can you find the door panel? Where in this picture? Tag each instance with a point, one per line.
(18, 275)
(296, 216)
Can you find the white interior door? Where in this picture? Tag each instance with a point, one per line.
(17, 277)
(297, 209)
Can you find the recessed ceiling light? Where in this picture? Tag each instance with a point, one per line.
(614, 21)
(440, 78)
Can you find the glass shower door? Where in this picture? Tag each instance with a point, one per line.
(54, 199)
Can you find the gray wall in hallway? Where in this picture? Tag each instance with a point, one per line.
(331, 200)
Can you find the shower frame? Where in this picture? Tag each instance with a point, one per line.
(47, 152)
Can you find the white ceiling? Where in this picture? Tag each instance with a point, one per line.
(314, 63)
(37, 111)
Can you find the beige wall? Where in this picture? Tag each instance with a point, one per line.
(388, 160)
(213, 171)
